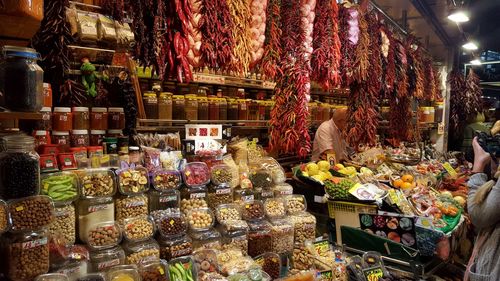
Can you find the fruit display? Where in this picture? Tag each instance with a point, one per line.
(338, 188)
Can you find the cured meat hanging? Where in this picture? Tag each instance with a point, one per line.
(349, 36)
(325, 61)
(272, 46)
(288, 124)
(258, 29)
(194, 36)
(241, 53)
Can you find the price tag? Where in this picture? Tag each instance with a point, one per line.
(330, 157)
(373, 274)
(96, 208)
(259, 261)
(247, 198)
(197, 195)
(322, 246)
(107, 264)
(135, 204)
(447, 166)
(441, 128)
(160, 269)
(223, 191)
(34, 243)
(166, 199)
(19, 208)
(105, 159)
(266, 194)
(325, 275)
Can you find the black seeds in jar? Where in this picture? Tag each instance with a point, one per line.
(19, 175)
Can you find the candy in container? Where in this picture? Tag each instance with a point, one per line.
(52, 277)
(131, 206)
(138, 228)
(252, 210)
(226, 212)
(162, 200)
(104, 235)
(259, 238)
(171, 224)
(140, 252)
(200, 219)
(171, 248)
(4, 217)
(275, 208)
(270, 263)
(196, 174)
(206, 239)
(154, 271)
(193, 197)
(97, 183)
(206, 262)
(166, 180)
(133, 180)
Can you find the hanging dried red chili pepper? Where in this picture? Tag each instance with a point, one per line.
(473, 93)
(415, 69)
(272, 47)
(361, 57)
(114, 8)
(429, 80)
(458, 102)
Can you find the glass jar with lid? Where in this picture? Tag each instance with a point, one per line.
(20, 166)
(62, 119)
(232, 109)
(99, 118)
(439, 110)
(191, 107)
(165, 106)
(242, 109)
(253, 111)
(213, 108)
(46, 122)
(262, 109)
(81, 118)
(62, 139)
(222, 109)
(21, 79)
(41, 137)
(203, 108)
(80, 138)
(178, 110)
(134, 154)
(150, 100)
(116, 118)
(96, 137)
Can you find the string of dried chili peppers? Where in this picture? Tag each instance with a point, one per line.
(458, 101)
(114, 8)
(272, 47)
(473, 94)
(361, 61)
(389, 65)
(415, 71)
(241, 15)
(429, 80)
(437, 95)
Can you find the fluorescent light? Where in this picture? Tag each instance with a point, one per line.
(470, 46)
(458, 16)
(476, 62)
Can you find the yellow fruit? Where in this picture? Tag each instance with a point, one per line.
(339, 166)
(406, 185)
(328, 175)
(324, 166)
(460, 200)
(398, 183)
(366, 171)
(407, 178)
(312, 169)
(318, 178)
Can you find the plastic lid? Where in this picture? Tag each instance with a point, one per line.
(116, 109)
(80, 132)
(80, 109)
(114, 132)
(15, 51)
(46, 109)
(110, 140)
(41, 133)
(62, 109)
(97, 132)
(60, 133)
(99, 109)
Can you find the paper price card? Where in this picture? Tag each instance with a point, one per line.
(324, 275)
(321, 246)
(447, 166)
(373, 274)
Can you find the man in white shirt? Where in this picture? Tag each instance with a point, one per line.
(329, 139)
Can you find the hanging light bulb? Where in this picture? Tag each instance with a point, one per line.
(476, 62)
(470, 46)
(458, 16)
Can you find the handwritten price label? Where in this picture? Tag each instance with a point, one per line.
(197, 195)
(373, 274)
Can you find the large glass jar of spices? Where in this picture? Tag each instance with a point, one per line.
(46, 122)
(81, 118)
(232, 109)
(116, 118)
(96, 137)
(80, 138)
(165, 106)
(20, 166)
(191, 107)
(202, 108)
(178, 110)
(222, 109)
(62, 119)
(21, 79)
(213, 108)
(150, 101)
(99, 118)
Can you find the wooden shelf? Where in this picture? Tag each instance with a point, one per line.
(20, 116)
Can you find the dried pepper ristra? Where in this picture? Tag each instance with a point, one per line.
(241, 15)
(458, 101)
(361, 61)
(388, 62)
(473, 94)
(415, 71)
(325, 61)
(437, 85)
(272, 47)
(429, 80)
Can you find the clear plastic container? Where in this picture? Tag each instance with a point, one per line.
(218, 195)
(93, 211)
(282, 231)
(154, 271)
(143, 251)
(270, 263)
(52, 277)
(61, 187)
(295, 204)
(185, 263)
(171, 224)
(206, 239)
(242, 195)
(92, 277)
(103, 235)
(205, 262)
(235, 240)
(171, 248)
(259, 238)
(230, 226)
(97, 183)
(26, 255)
(275, 208)
(103, 260)
(282, 189)
(131, 206)
(200, 219)
(253, 210)
(196, 174)
(277, 173)
(263, 194)
(166, 180)
(261, 178)
(163, 200)
(123, 272)
(133, 181)
(4, 217)
(221, 174)
(138, 228)
(304, 225)
(75, 270)
(64, 224)
(226, 212)
(192, 198)
(233, 262)
(31, 213)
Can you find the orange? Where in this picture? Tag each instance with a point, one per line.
(407, 185)
(407, 178)
(398, 183)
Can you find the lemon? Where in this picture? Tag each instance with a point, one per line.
(324, 166)
(312, 169)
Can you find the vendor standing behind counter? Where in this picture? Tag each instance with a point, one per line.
(329, 138)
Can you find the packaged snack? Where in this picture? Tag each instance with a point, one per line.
(163, 200)
(304, 225)
(252, 210)
(172, 224)
(205, 261)
(282, 189)
(227, 212)
(97, 183)
(206, 239)
(261, 178)
(295, 204)
(192, 198)
(221, 174)
(270, 263)
(154, 271)
(87, 27)
(64, 223)
(282, 232)
(4, 217)
(275, 208)
(131, 206)
(106, 30)
(138, 228)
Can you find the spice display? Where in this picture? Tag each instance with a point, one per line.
(81, 118)
(163, 200)
(97, 183)
(283, 236)
(220, 194)
(227, 212)
(196, 174)
(133, 180)
(221, 174)
(102, 260)
(64, 224)
(20, 168)
(138, 252)
(200, 219)
(104, 235)
(272, 44)
(172, 224)
(166, 180)
(271, 264)
(31, 213)
(138, 228)
(206, 239)
(275, 208)
(252, 210)
(154, 271)
(60, 187)
(295, 204)
(174, 248)
(242, 36)
(27, 255)
(181, 269)
(259, 238)
(261, 179)
(4, 217)
(131, 206)
(94, 211)
(304, 225)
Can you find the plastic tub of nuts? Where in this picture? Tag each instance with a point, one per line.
(221, 174)
(205, 261)
(270, 263)
(253, 210)
(192, 198)
(259, 238)
(302, 259)
(139, 252)
(64, 224)
(92, 277)
(275, 208)
(161, 200)
(62, 187)
(282, 189)
(4, 217)
(282, 232)
(131, 206)
(295, 204)
(182, 269)
(200, 219)
(196, 174)
(97, 183)
(26, 255)
(93, 211)
(154, 271)
(104, 235)
(138, 228)
(206, 239)
(164, 180)
(261, 178)
(263, 194)
(230, 226)
(171, 248)
(52, 277)
(227, 212)
(123, 272)
(304, 225)
(132, 181)
(235, 240)
(171, 224)
(31, 213)
(219, 194)
(102, 260)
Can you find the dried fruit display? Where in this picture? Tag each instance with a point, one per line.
(325, 61)
(272, 47)
(242, 16)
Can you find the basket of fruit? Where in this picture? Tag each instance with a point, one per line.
(338, 188)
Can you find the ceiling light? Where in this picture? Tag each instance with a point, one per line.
(458, 16)
(476, 62)
(470, 46)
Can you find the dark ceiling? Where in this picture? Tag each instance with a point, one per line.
(484, 26)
